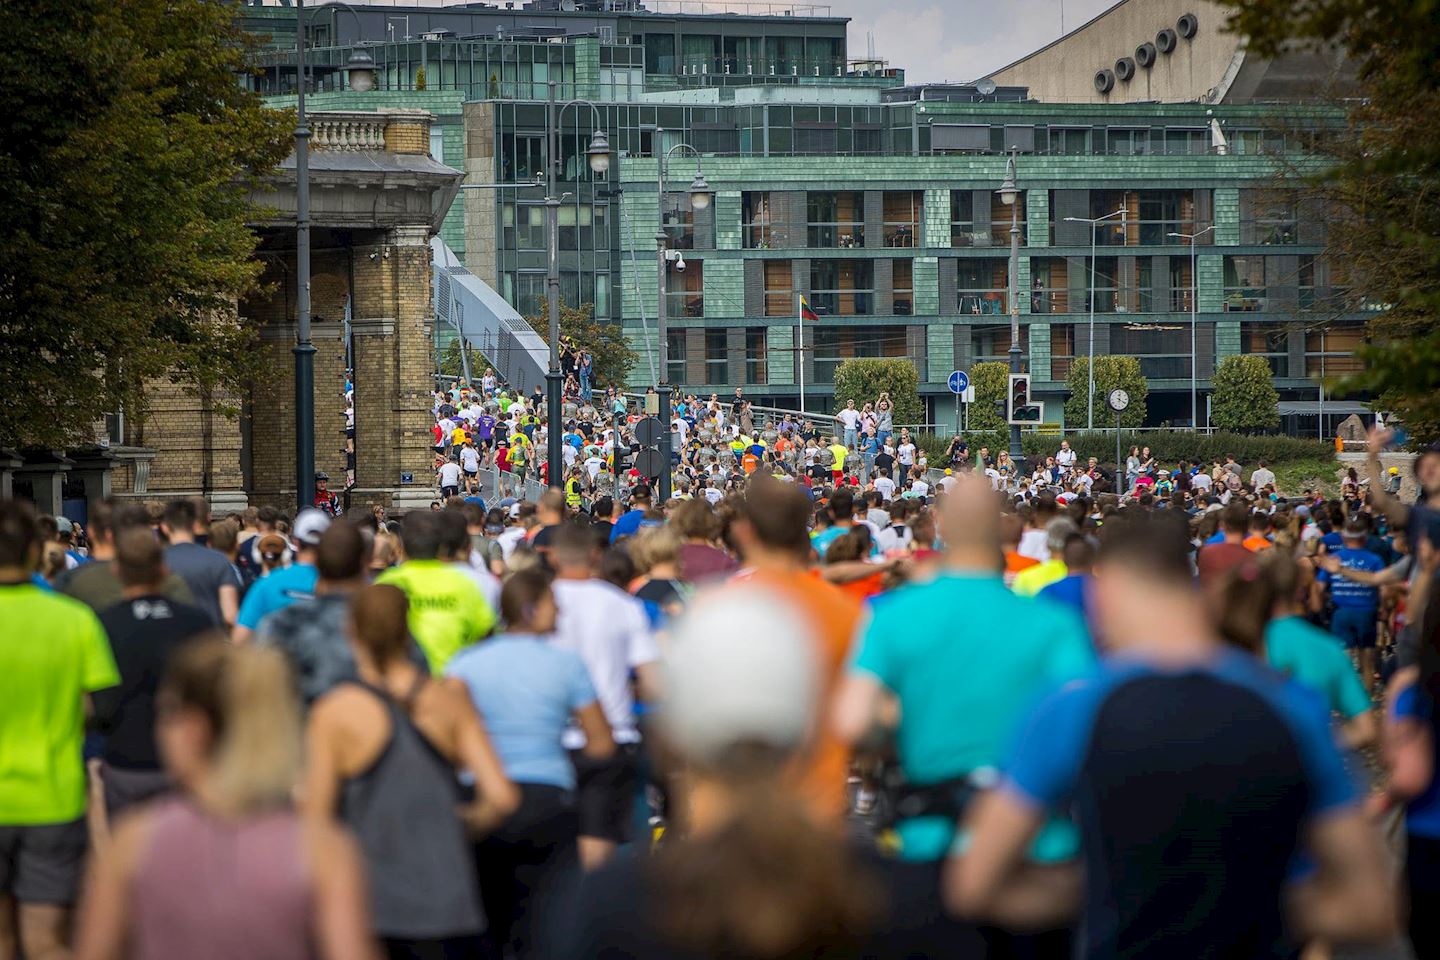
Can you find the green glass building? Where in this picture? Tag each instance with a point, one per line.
(873, 200)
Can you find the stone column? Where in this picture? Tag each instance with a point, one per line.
(45, 473)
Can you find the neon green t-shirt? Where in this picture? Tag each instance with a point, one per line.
(53, 651)
(839, 450)
(447, 610)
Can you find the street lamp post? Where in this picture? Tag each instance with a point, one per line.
(361, 68)
(699, 199)
(598, 154)
(1009, 195)
(1094, 222)
(1194, 307)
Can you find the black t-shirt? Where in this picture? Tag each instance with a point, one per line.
(884, 461)
(144, 633)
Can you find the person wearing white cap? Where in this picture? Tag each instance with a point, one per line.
(747, 872)
(287, 585)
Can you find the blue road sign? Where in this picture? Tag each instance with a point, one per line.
(959, 381)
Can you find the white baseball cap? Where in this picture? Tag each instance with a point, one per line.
(310, 525)
(725, 687)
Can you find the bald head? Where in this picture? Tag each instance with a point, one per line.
(970, 523)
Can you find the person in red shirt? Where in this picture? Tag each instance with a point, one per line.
(1217, 559)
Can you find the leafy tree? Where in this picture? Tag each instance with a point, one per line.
(127, 150)
(420, 80)
(1110, 372)
(1245, 398)
(991, 381)
(1379, 183)
(864, 379)
(451, 365)
(612, 353)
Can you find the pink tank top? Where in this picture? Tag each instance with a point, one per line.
(221, 890)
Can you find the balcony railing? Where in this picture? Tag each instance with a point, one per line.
(965, 233)
(839, 235)
(984, 303)
(1107, 300)
(902, 234)
(1145, 233)
(1265, 233)
(685, 303)
(843, 303)
(1165, 368)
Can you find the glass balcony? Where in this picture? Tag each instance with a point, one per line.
(835, 236)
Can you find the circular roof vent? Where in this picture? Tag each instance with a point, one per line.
(1124, 69)
(1188, 25)
(1104, 81)
(1145, 55)
(1167, 40)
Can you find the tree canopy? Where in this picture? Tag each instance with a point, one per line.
(1245, 399)
(1110, 372)
(127, 149)
(863, 379)
(1379, 190)
(614, 357)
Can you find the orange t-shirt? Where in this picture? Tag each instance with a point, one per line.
(1255, 543)
(835, 615)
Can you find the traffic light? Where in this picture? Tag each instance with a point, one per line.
(1019, 408)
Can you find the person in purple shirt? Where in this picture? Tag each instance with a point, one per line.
(485, 428)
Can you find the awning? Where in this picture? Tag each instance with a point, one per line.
(1332, 408)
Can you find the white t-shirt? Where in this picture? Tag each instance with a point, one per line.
(893, 538)
(920, 488)
(1201, 481)
(608, 628)
(848, 417)
(1065, 458)
(470, 459)
(905, 454)
(593, 464)
(714, 494)
(450, 474)
(886, 487)
(508, 539)
(1035, 545)
(1262, 477)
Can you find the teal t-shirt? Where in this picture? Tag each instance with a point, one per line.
(1316, 659)
(968, 659)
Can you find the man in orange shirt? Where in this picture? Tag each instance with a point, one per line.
(772, 533)
(1259, 538)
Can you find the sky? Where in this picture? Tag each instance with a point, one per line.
(957, 40)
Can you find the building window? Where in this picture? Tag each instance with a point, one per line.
(991, 342)
(755, 372)
(717, 355)
(842, 288)
(523, 157)
(1269, 217)
(1126, 141)
(903, 283)
(530, 294)
(982, 286)
(1062, 350)
(1049, 285)
(1163, 351)
(1245, 284)
(835, 219)
(679, 219)
(902, 217)
(1001, 215)
(1069, 141)
(1151, 216)
(962, 221)
(685, 290)
(1333, 351)
(675, 347)
(779, 289)
(758, 225)
(1268, 340)
(1186, 141)
(834, 345)
(523, 226)
(815, 140)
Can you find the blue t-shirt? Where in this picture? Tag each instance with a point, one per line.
(1333, 541)
(1069, 590)
(822, 540)
(276, 591)
(527, 690)
(627, 526)
(1422, 814)
(1346, 592)
(1190, 787)
(967, 658)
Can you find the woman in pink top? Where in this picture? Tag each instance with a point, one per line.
(225, 869)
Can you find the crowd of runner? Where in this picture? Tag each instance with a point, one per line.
(790, 712)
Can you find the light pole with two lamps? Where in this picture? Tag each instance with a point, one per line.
(1194, 306)
(360, 70)
(598, 155)
(1010, 196)
(700, 194)
(1094, 222)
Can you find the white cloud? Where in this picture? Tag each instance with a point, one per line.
(958, 40)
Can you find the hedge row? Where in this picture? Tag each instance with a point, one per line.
(1168, 447)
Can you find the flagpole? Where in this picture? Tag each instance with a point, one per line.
(800, 346)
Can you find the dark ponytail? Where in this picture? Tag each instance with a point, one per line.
(1248, 596)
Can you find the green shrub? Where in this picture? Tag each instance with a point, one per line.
(1110, 372)
(1172, 447)
(991, 381)
(863, 380)
(1245, 397)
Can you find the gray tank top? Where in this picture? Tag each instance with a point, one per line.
(402, 811)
